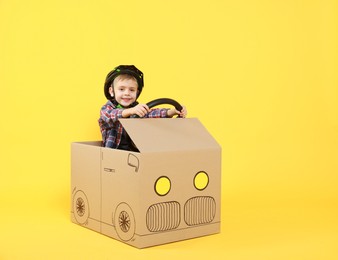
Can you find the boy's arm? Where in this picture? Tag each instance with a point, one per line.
(166, 112)
(158, 113)
(141, 110)
(173, 112)
(110, 115)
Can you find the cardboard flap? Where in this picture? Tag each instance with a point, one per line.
(168, 134)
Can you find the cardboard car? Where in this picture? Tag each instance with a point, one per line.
(168, 191)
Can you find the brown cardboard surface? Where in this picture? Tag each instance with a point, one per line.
(169, 134)
(151, 197)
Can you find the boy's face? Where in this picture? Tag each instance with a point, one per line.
(125, 91)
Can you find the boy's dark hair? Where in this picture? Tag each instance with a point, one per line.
(123, 69)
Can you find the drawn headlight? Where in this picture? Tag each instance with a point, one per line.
(201, 180)
(162, 186)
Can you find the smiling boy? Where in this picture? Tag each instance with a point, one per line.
(122, 87)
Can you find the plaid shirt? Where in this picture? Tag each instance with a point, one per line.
(110, 126)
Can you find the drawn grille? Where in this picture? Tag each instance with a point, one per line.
(199, 210)
(163, 216)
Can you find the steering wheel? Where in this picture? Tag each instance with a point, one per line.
(161, 101)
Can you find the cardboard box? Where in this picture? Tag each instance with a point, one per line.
(169, 191)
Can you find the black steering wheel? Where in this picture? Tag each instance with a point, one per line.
(161, 101)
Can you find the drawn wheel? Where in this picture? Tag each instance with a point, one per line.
(80, 207)
(124, 222)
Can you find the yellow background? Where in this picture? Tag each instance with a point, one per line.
(260, 75)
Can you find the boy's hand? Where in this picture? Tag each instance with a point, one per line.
(173, 112)
(141, 110)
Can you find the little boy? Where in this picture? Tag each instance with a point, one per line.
(122, 87)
